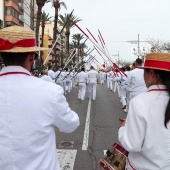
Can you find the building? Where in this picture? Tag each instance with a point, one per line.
(47, 42)
(17, 12)
(60, 45)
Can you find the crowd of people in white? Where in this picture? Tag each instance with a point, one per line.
(127, 85)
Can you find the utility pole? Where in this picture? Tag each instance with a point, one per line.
(117, 55)
(138, 46)
(118, 58)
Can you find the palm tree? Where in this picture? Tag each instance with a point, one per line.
(57, 5)
(73, 45)
(44, 18)
(62, 56)
(69, 25)
(78, 38)
(40, 4)
(82, 46)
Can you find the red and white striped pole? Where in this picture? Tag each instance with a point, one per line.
(96, 45)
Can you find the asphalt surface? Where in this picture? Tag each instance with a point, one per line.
(103, 132)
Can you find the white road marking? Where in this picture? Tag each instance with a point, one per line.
(66, 158)
(86, 130)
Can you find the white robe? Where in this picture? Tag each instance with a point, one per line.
(30, 110)
(144, 134)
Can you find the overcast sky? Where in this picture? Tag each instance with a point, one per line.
(120, 21)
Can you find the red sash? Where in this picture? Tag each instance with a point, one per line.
(17, 72)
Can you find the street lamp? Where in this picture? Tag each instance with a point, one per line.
(141, 51)
(118, 59)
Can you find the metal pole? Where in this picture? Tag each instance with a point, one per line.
(138, 45)
(118, 58)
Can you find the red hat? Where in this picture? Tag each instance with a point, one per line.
(158, 61)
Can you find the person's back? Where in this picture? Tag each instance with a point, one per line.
(30, 109)
(145, 133)
(46, 77)
(92, 82)
(153, 152)
(51, 73)
(135, 81)
(92, 76)
(82, 80)
(103, 75)
(82, 77)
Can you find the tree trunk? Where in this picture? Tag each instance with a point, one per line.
(38, 22)
(67, 42)
(56, 6)
(40, 4)
(42, 40)
(61, 58)
(74, 58)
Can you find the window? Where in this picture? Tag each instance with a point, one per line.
(9, 23)
(14, 13)
(8, 10)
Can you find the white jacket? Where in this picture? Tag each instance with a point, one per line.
(82, 77)
(135, 81)
(144, 134)
(30, 110)
(92, 76)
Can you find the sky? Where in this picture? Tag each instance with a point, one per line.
(120, 21)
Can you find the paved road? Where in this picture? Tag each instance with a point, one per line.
(88, 144)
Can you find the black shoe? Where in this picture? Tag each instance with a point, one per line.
(124, 107)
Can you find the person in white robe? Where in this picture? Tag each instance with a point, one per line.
(123, 87)
(108, 79)
(146, 131)
(46, 77)
(92, 83)
(103, 77)
(135, 82)
(30, 108)
(51, 72)
(82, 80)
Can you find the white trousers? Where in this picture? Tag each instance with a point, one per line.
(92, 90)
(123, 94)
(127, 99)
(60, 82)
(82, 91)
(116, 87)
(108, 82)
(102, 81)
(68, 83)
(64, 86)
(111, 83)
(73, 83)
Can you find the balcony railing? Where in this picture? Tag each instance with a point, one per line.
(21, 22)
(21, 9)
(21, 1)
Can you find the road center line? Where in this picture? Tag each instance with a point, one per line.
(86, 130)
